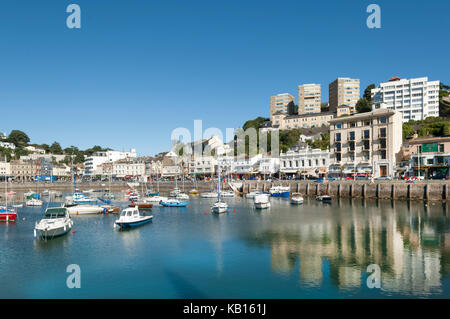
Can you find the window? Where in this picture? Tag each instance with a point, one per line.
(383, 132)
(366, 134)
(441, 148)
(338, 137)
(383, 154)
(383, 120)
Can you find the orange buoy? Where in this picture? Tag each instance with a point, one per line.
(73, 231)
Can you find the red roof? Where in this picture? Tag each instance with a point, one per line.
(395, 78)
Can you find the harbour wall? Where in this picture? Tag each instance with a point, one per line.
(436, 191)
(433, 191)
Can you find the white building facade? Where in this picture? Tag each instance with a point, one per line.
(305, 162)
(92, 163)
(416, 98)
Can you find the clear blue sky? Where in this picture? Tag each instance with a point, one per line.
(138, 69)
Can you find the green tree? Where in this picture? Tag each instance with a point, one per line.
(55, 148)
(19, 138)
(368, 93)
(363, 106)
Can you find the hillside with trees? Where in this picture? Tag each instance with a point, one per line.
(21, 140)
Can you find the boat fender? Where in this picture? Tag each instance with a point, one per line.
(34, 233)
(73, 231)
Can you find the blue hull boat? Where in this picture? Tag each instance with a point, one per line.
(153, 194)
(281, 194)
(133, 224)
(174, 204)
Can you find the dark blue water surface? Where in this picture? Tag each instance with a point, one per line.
(310, 251)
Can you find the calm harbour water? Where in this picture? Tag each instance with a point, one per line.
(313, 250)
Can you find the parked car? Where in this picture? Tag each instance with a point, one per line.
(439, 176)
(350, 178)
(383, 178)
(361, 178)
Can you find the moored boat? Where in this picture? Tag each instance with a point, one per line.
(280, 191)
(296, 199)
(85, 209)
(141, 205)
(173, 202)
(34, 202)
(324, 198)
(154, 199)
(253, 194)
(132, 217)
(7, 214)
(262, 201)
(210, 194)
(56, 222)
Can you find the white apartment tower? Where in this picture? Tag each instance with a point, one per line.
(416, 98)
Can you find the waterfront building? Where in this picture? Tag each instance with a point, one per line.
(247, 166)
(2, 135)
(279, 103)
(344, 91)
(128, 169)
(343, 110)
(5, 169)
(288, 122)
(269, 165)
(24, 171)
(61, 171)
(93, 162)
(430, 156)
(202, 165)
(416, 99)
(7, 145)
(309, 98)
(365, 143)
(305, 161)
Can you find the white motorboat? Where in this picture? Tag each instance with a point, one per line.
(56, 222)
(262, 201)
(154, 199)
(209, 195)
(85, 209)
(182, 196)
(324, 198)
(17, 205)
(132, 217)
(34, 202)
(297, 199)
(279, 191)
(219, 207)
(228, 194)
(253, 194)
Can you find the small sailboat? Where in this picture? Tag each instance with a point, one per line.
(262, 201)
(56, 222)
(7, 214)
(219, 207)
(227, 194)
(296, 199)
(132, 217)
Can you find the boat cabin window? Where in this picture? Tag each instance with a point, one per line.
(55, 213)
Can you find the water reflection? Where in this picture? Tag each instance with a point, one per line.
(409, 241)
